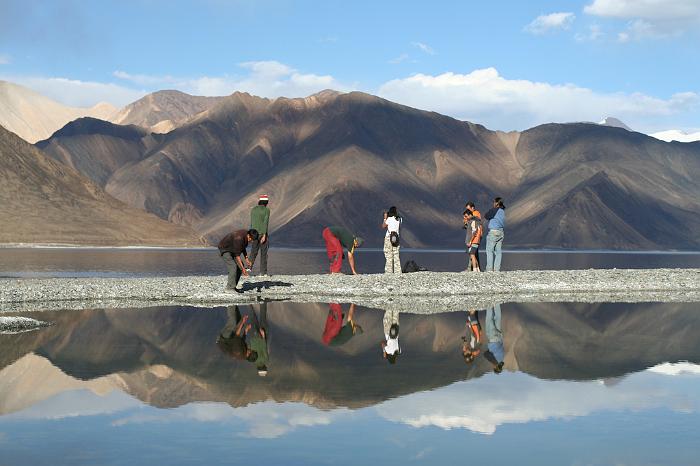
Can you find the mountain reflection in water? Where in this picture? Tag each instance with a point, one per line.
(323, 362)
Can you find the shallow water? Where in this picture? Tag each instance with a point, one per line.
(105, 262)
(581, 384)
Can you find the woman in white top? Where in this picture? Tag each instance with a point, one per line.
(392, 223)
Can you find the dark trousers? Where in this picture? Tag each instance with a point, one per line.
(234, 317)
(255, 246)
(234, 272)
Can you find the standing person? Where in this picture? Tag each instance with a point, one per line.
(232, 337)
(258, 346)
(472, 208)
(494, 239)
(259, 221)
(336, 239)
(495, 353)
(474, 231)
(471, 342)
(390, 344)
(231, 247)
(392, 223)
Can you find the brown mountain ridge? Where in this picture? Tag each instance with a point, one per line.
(44, 201)
(335, 158)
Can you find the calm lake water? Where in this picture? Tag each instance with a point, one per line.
(580, 384)
(550, 383)
(50, 262)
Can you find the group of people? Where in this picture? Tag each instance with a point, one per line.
(339, 241)
(496, 217)
(246, 338)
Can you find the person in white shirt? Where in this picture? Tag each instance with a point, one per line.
(392, 223)
(390, 345)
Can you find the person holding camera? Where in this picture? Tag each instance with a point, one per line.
(392, 223)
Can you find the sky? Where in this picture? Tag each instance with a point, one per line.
(509, 65)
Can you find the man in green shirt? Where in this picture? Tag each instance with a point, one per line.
(258, 340)
(259, 220)
(336, 239)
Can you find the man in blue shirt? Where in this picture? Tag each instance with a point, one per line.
(494, 239)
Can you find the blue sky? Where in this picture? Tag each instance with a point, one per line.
(507, 64)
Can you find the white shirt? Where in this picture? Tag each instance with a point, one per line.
(392, 345)
(392, 225)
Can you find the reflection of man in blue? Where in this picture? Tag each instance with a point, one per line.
(495, 353)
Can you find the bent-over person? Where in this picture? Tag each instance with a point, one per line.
(231, 247)
(336, 239)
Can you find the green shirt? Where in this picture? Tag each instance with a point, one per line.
(259, 345)
(346, 238)
(259, 219)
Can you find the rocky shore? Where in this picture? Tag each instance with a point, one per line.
(422, 292)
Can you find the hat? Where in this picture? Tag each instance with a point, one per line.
(264, 197)
(359, 241)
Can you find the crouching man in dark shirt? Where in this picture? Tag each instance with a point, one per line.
(231, 247)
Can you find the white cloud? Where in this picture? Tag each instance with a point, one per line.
(4, 59)
(653, 10)
(424, 47)
(595, 32)
(523, 398)
(78, 93)
(677, 135)
(263, 78)
(264, 419)
(649, 19)
(551, 22)
(486, 97)
(401, 58)
(143, 79)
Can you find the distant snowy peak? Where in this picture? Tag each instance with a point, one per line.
(615, 123)
(677, 135)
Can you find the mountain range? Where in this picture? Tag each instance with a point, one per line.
(44, 201)
(33, 116)
(344, 158)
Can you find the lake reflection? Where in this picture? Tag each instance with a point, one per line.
(568, 383)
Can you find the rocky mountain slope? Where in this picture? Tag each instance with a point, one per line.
(34, 117)
(44, 201)
(162, 111)
(344, 158)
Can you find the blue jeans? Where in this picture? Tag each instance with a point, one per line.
(494, 241)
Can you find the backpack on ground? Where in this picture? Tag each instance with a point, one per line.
(411, 266)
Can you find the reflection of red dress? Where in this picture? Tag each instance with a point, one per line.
(334, 250)
(334, 323)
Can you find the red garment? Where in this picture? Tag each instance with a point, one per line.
(334, 250)
(334, 322)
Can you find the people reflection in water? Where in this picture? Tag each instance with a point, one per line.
(390, 344)
(494, 333)
(246, 337)
(471, 342)
(335, 333)
(232, 337)
(258, 340)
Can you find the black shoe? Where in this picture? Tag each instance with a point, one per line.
(237, 290)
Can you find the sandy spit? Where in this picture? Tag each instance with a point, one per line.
(17, 324)
(423, 292)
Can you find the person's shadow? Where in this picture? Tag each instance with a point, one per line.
(259, 285)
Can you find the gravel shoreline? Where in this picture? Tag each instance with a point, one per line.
(17, 324)
(422, 292)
